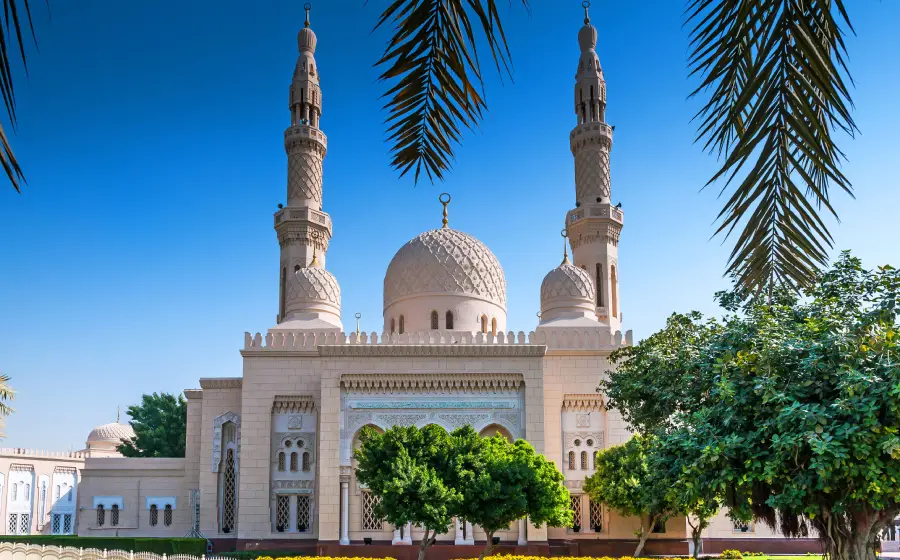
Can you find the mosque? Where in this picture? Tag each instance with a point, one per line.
(268, 460)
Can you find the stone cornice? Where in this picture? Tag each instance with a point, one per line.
(444, 350)
(431, 382)
(221, 382)
(583, 402)
(191, 394)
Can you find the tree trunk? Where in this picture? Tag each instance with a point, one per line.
(489, 546)
(426, 540)
(695, 536)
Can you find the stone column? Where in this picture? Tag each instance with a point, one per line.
(459, 532)
(407, 534)
(397, 538)
(345, 509)
(523, 539)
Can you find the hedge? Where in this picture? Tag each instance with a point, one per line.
(159, 545)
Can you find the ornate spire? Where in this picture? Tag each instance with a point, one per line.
(565, 235)
(308, 7)
(445, 203)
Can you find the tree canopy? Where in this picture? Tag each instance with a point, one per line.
(160, 427)
(798, 421)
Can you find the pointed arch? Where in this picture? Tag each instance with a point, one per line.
(435, 324)
(393, 326)
(448, 320)
(614, 286)
(484, 324)
(402, 324)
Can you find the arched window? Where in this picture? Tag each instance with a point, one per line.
(434, 321)
(392, 326)
(57, 492)
(484, 324)
(27, 491)
(101, 515)
(154, 515)
(402, 324)
(294, 461)
(114, 515)
(494, 326)
(571, 460)
(167, 515)
(14, 489)
(68, 491)
(449, 321)
(584, 460)
(281, 461)
(613, 285)
(229, 492)
(599, 283)
(283, 293)
(305, 462)
(596, 457)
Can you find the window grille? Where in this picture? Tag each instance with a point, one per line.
(67, 524)
(154, 515)
(294, 461)
(282, 512)
(306, 461)
(281, 461)
(101, 515)
(303, 514)
(449, 320)
(584, 460)
(599, 283)
(114, 515)
(575, 504)
(24, 523)
(571, 460)
(13, 522)
(596, 516)
(56, 523)
(167, 516)
(229, 492)
(741, 527)
(434, 321)
(369, 521)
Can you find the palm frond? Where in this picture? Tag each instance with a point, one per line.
(6, 394)
(432, 63)
(11, 36)
(774, 75)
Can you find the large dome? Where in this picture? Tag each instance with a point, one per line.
(447, 271)
(111, 433)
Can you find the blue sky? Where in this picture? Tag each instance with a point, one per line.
(142, 247)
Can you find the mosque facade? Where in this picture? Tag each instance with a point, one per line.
(269, 460)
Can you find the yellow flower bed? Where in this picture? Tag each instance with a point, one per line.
(320, 558)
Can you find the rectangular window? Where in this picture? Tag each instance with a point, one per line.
(659, 527)
(67, 523)
(13, 526)
(303, 514)
(741, 527)
(114, 516)
(596, 516)
(575, 504)
(369, 521)
(282, 513)
(56, 523)
(167, 516)
(24, 524)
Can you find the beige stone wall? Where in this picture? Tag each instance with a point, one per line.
(44, 463)
(219, 396)
(721, 527)
(134, 479)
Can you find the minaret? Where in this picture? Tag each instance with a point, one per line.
(594, 225)
(303, 228)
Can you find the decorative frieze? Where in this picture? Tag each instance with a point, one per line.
(440, 383)
(583, 403)
(583, 439)
(574, 484)
(292, 484)
(293, 404)
(431, 404)
(221, 382)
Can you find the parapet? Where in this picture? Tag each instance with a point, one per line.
(41, 453)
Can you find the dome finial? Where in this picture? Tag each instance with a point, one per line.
(585, 5)
(445, 203)
(314, 235)
(118, 414)
(565, 235)
(358, 316)
(308, 7)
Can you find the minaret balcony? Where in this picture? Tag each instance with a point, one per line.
(591, 133)
(604, 212)
(303, 132)
(302, 214)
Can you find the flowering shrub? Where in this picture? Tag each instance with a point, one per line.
(731, 554)
(320, 558)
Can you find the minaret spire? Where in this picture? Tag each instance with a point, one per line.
(304, 230)
(594, 225)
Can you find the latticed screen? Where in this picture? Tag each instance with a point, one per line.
(281, 461)
(167, 516)
(101, 515)
(24, 523)
(571, 460)
(305, 461)
(282, 512)
(596, 516)
(294, 461)
(228, 492)
(584, 460)
(13, 526)
(67, 523)
(55, 523)
(303, 513)
(576, 510)
(114, 516)
(154, 515)
(369, 521)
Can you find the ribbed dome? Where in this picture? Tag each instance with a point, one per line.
(306, 40)
(587, 37)
(445, 261)
(111, 433)
(569, 282)
(312, 285)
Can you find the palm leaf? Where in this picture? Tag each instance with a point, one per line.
(6, 394)
(773, 74)
(11, 39)
(437, 84)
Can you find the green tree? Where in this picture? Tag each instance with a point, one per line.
(160, 427)
(6, 394)
(628, 481)
(800, 426)
(408, 469)
(501, 482)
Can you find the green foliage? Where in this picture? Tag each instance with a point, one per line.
(160, 426)
(800, 426)
(158, 545)
(501, 482)
(6, 394)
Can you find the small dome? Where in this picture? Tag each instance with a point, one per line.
(587, 37)
(306, 40)
(567, 292)
(111, 433)
(312, 289)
